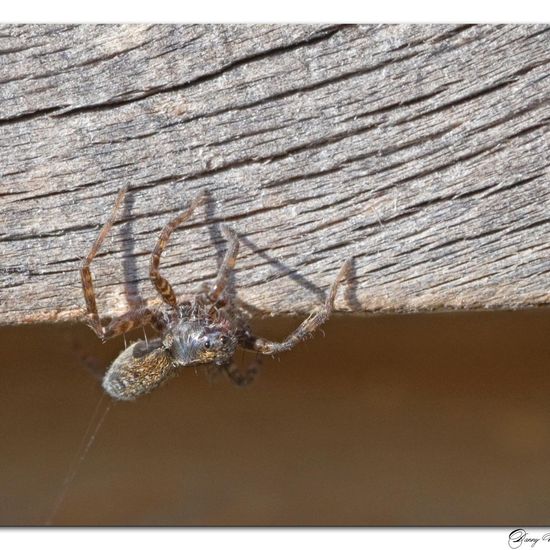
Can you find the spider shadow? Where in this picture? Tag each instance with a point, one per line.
(130, 268)
(350, 288)
(129, 259)
(217, 239)
(349, 283)
(218, 242)
(285, 271)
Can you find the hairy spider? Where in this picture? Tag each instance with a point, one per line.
(207, 330)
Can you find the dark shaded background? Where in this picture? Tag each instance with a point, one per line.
(387, 420)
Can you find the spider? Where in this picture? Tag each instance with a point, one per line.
(206, 330)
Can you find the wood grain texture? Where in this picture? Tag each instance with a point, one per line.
(419, 150)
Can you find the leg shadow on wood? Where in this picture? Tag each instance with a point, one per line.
(129, 260)
(285, 270)
(219, 242)
(350, 293)
(350, 288)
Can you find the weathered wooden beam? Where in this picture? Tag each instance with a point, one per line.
(419, 150)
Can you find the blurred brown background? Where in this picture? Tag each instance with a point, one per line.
(440, 419)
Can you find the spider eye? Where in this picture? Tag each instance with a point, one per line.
(207, 344)
(224, 339)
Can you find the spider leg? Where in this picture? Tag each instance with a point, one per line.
(128, 321)
(312, 323)
(134, 319)
(85, 273)
(161, 284)
(227, 265)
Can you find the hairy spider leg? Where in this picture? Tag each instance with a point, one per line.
(135, 319)
(161, 284)
(227, 265)
(312, 323)
(85, 273)
(128, 321)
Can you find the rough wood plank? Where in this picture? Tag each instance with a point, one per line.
(420, 151)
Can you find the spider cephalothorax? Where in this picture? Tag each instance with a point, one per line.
(205, 331)
(200, 337)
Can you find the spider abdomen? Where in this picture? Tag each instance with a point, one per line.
(138, 370)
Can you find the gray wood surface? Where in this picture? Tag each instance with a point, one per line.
(420, 151)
